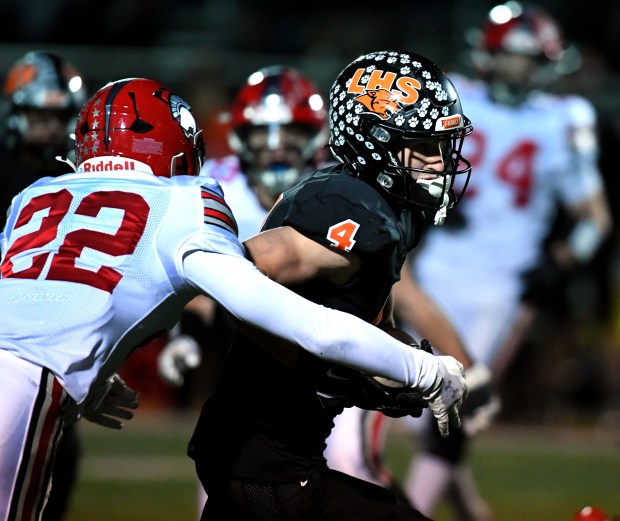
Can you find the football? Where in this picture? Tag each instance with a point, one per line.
(401, 335)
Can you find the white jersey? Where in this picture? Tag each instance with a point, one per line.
(94, 265)
(524, 159)
(239, 195)
(126, 285)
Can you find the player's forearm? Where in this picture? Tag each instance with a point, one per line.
(333, 335)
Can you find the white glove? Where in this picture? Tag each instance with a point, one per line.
(447, 393)
(179, 355)
(482, 404)
(110, 403)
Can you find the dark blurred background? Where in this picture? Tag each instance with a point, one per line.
(206, 49)
(185, 40)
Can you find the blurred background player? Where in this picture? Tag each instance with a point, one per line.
(277, 130)
(42, 96)
(494, 268)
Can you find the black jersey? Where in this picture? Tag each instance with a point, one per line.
(267, 421)
(337, 210)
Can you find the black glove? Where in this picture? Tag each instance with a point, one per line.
(371, 393)
(110, 403)
(350, 388)
(346, 387)
(403, 402)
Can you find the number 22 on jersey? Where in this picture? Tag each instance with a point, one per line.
(63, 261)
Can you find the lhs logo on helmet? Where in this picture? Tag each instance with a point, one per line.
(381, 102)
(383, 93)
(182, 113)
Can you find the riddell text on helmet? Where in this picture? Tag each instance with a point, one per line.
(110, 163)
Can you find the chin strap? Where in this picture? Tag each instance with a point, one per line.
(66, 160)
(436, 188)
(440, 215)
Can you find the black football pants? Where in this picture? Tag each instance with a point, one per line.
(326, 496)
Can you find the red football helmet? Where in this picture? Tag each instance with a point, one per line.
(520, 48)
(590, 514)
(288, 112)
(276, 95)
(137, 123)
(522, 30)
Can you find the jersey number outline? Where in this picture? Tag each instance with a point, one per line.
(62, 266)
(515, 168)
(341, 234)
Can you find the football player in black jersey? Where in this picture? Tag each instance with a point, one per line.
(339, 238)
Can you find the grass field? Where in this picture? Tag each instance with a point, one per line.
(536, 474)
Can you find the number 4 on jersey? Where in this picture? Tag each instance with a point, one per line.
(341, 234)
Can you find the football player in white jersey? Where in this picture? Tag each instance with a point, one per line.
(529, 148)
(277, 124)
(96, 262)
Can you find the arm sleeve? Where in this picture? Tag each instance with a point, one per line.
(251, 297)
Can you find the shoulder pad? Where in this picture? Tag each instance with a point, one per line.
(216, 210)
(337, 210)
